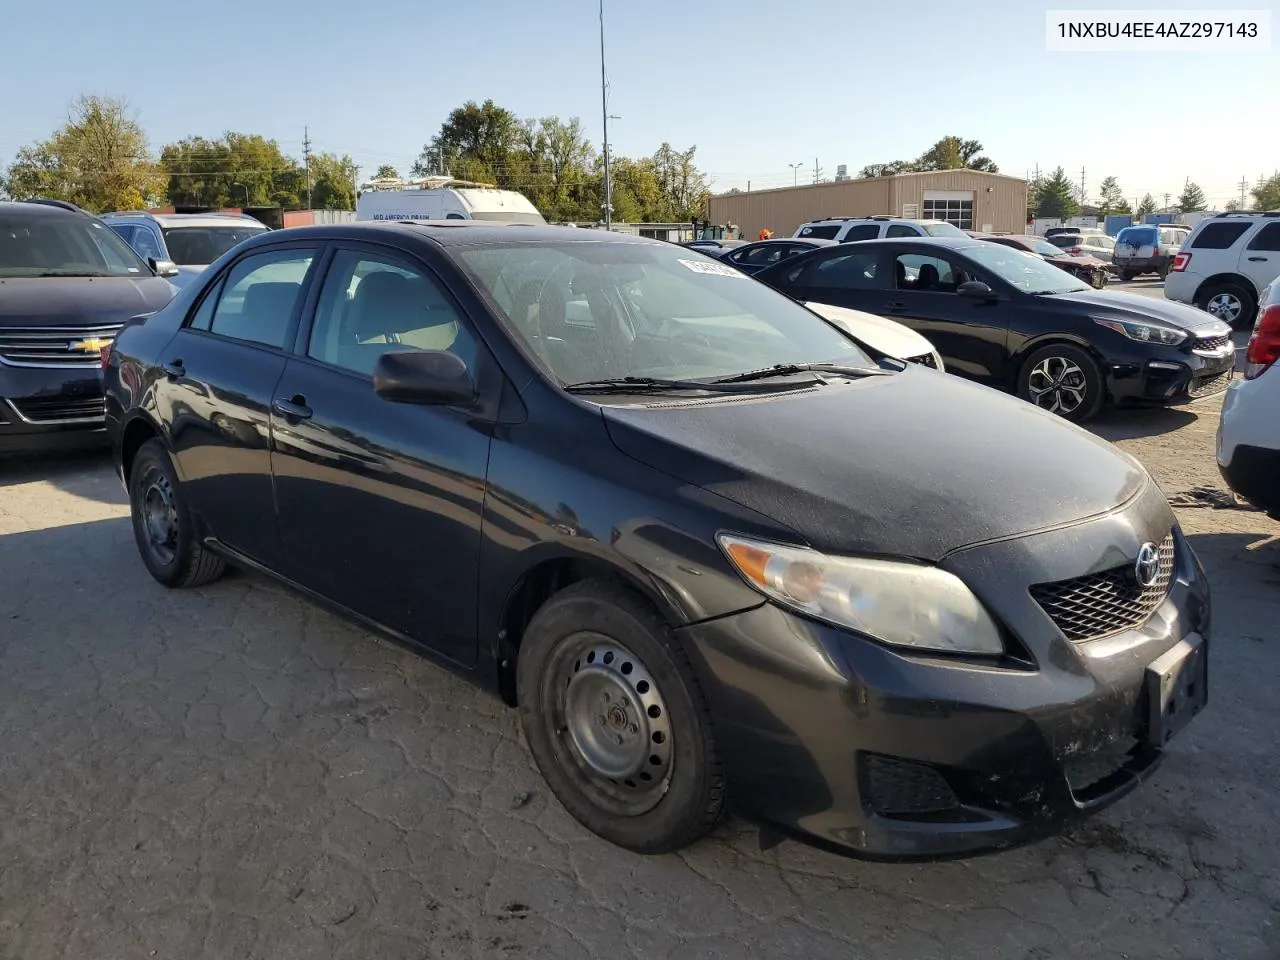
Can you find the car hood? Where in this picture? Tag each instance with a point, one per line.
(1076, 260)
(916, 464)
(75, 301)
(1133, 306)
(880, 333)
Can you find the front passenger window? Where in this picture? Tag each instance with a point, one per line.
(370, 305)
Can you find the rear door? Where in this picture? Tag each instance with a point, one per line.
(221, 368)
(1260, 259)
(843, 276)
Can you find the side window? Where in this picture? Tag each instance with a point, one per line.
(125, 232)
(259, 296)
(863, 231)
(845, 271)
(902, 230)
(926, 274)
(824, 232)
(201, 319)
(1219, 236)
(1268, 238)
(370, 304)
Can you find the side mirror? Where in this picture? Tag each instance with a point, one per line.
(162, 268)
(433, 377)
(976, 289)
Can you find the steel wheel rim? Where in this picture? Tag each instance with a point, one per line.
(1224, 306)
(610, 724)
(1058, 385)
(160, 517)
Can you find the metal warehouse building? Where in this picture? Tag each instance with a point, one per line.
(990, 202)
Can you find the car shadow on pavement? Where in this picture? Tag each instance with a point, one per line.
(1129, 424)
(85, 474)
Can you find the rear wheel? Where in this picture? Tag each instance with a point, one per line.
(162, 525)
(1230, 302)
(1062, 379)
(1127, 274)
(616, 721)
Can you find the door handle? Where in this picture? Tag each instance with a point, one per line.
(174, 370)
(896, 306)
(296, 408)
(1257, 259)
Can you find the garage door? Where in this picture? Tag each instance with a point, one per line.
(953, 206)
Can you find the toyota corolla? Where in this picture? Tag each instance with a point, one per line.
(715, 550)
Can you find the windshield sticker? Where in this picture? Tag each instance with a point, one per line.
(714, 269)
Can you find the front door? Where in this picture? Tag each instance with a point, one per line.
(971, 334)
(221, 369)
(379, 502)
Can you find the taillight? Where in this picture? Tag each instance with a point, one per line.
(104, 355)
(1180, 262)
(1264, 345)
(1074, 251)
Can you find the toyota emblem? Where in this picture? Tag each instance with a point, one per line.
(1147, 567)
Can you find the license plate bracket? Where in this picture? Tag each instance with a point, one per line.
(1177, 689)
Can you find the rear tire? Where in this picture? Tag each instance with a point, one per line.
(1230, 302)
(1127, 275)
(1063, 379)
(616, 721)
(162, 523)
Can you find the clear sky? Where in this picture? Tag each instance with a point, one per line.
(756, 84)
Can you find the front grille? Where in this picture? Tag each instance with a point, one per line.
(903, 788)
(1207, 386)
(59, 409)
(1211, 344)
(925, 360)
(1100, 604)
(54, 346)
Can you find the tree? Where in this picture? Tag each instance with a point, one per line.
(1192, 199)
(1232, 205)
(1113, 200)
(478, 137)
(1266, 196)
(333, 182)
(953, 153)
(890, 169)
(99, 159)
(1054, 199)
(236, 169)
(387, 172)
(1146, 207)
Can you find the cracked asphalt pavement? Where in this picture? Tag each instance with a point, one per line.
(230, 772)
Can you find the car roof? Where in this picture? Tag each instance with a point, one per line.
(455, 233)
(186, 219)
(772, 241)
(39, 208)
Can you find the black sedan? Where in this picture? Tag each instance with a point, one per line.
(624, 486)
(1015, 322)
(754, 257)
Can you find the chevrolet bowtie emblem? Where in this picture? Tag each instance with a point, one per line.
(93, 345)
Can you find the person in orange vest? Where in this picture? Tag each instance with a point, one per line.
(765, 234)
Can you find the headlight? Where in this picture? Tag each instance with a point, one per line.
(1146, 332)
(903, 604)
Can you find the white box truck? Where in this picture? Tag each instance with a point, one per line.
(442, 198)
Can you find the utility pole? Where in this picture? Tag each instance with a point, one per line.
(1166, 202)
(1244, 185)
(306, 156)
(817, 171)
(1083, 198)
(604, 109)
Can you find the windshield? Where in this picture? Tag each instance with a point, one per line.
(200, 246)
(1046, 249)
(64, 246)
(1137, 236)
(1028, 274)
(596, 310)
(943, 230)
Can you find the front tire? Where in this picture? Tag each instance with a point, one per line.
(1230, 302)
(616, 721)
(1063, 379)
(162, 524)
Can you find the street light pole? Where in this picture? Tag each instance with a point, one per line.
(604, 110)
(795, 173)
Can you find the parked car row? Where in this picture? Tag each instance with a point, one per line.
(714, 550)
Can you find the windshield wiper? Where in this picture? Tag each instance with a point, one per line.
(66, 273)
(788, 369)
(647, 384)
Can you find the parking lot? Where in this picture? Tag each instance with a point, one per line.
(231, 772)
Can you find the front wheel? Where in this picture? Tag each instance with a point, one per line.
(162, 525)
(1062, 379)
(616, 721)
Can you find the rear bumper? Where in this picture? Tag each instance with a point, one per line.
(1141, 264)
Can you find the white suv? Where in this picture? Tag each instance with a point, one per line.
(849, 229)
(1226, 263)
(1249, 431)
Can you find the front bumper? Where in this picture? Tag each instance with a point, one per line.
(1163, 376)
(49, 409)
(823, 733)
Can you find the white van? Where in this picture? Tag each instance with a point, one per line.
(443, 199)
